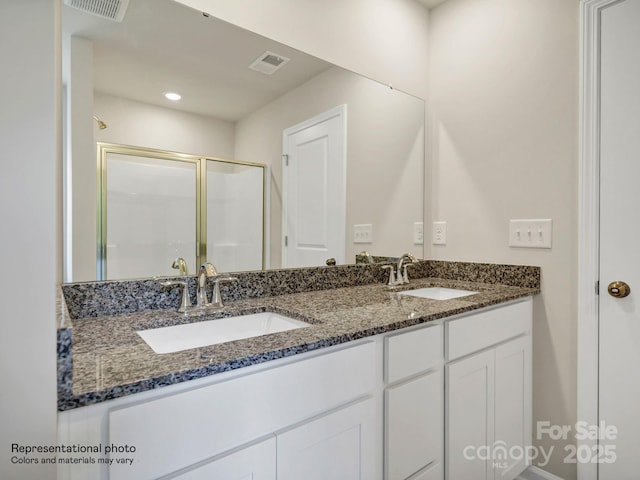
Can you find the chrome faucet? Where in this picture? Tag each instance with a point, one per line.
(401, 274)
(207, 270)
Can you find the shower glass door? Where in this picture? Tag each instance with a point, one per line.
(150, 215)
(155, 206)
(235, 227)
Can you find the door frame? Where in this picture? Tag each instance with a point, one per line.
(341, 112)
(588, 222)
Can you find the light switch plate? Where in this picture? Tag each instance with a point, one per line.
(439, 233)
(363, 233)
(530, 233)
(418, 233)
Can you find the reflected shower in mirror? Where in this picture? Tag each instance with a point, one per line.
(155, 206)
(119, 72)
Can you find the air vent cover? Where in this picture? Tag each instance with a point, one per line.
(268, 63)
(110, 9)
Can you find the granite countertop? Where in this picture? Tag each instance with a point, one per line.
(107, 359)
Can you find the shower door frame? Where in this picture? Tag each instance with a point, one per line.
(200, 162)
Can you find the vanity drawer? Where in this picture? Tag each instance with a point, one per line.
(481, 330)
(412, 352)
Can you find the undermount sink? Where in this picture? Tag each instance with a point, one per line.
(437, 293)
(221, 330)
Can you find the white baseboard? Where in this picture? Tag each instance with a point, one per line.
(535, 473)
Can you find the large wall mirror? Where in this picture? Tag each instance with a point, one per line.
(115, 75)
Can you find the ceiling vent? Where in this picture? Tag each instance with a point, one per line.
(268, 63)
(109, 9)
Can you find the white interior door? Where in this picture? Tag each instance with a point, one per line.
(619, 318)
(314, 190)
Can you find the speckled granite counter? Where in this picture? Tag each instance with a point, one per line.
(101, 357)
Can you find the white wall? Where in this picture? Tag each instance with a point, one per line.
(31, 226)
(82, 162)
(381, 39)
(144, 125)
(503, 145)
(384, 183)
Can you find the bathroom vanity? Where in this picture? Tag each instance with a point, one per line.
(380, 384)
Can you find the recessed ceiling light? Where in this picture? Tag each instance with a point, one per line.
(174, 97)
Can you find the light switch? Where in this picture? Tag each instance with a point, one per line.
(363, 233)
(530, 233)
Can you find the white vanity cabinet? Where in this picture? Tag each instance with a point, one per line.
(255, 462)
(340, 445)
(413, 399)
(237, 421)
(420, 403)
(488, 394)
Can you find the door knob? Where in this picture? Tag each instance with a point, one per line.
(618, 289)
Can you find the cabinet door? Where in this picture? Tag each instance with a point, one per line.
(339, 446)
(512, 407)
(470, 417)
(257, 462)
(414, 425)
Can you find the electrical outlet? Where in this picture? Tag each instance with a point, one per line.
(418, 233)
(363, 233)
(439, 233)
(530, 233)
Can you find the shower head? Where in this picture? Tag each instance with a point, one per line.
(101, 124)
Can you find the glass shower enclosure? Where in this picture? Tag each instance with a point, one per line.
(155, 206)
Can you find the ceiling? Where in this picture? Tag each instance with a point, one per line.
(164, 46)
(431, 3)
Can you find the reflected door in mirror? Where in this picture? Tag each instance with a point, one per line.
(314, 190)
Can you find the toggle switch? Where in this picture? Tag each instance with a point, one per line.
(530, 233)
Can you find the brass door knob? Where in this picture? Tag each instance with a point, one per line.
(618, 289)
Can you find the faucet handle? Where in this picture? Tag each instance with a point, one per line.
(185, 301)
(405, 276)
(181, 265)
(216, 298)
(392, 279)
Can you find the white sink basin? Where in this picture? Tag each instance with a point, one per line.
(211, 332)
(438, 293)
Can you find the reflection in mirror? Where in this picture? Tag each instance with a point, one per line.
(147, 215)
(156, 206)
(235, 216)
(118, 72)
